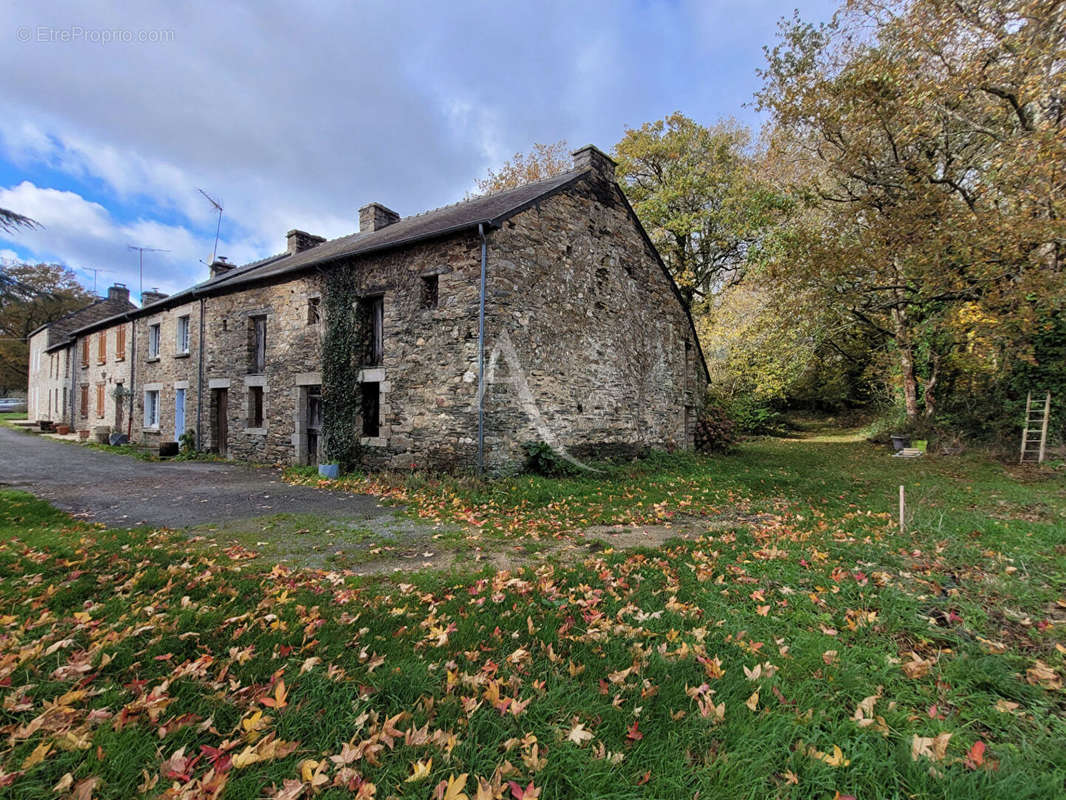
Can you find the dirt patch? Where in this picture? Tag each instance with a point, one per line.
(623, 537)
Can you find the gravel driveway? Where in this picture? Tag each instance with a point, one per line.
(122, 491)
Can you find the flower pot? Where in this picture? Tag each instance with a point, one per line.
(83, 435)
(168, 449)
(329, 471)
(63, 430)
(899, 441)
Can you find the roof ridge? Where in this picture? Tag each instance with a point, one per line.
(497, 193)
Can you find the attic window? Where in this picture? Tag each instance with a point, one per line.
(430, 291)
(314, 310)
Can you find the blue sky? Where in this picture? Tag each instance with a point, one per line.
(295, 117)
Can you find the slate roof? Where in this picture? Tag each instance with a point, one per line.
(60, 331)
(489, 210)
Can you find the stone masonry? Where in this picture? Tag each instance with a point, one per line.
(588, 346)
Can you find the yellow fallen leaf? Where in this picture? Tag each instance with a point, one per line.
(307, 769)
(420, 770)
(39, 754)
(829, 656)
(753, 701)
(1005, 706)
(455, 788)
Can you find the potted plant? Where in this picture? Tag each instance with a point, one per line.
(63, 430)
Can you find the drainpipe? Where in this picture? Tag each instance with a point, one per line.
(133, 375)
(481, 356)
(200, 379)
(72, 352)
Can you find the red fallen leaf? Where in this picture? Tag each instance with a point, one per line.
(221, 761)
(644, 778)
(604, 686)
(633, 734)
(975, 756)
(529, 793)
(284, 650)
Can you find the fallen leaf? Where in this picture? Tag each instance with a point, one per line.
(934, 748)
(753, 701)
(420, 770)
(579, 735)
(39, 754)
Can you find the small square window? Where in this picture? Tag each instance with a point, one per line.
(314, 310)
(430, 291)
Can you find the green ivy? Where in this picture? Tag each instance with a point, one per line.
(340, 369)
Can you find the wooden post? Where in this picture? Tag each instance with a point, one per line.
(902, 509)
(1043, 428)
(1025, 427)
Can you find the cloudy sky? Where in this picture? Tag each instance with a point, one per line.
(295, 117)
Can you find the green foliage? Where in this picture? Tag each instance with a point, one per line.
(542, 460)
(32, 295)
(188, 442)
(692, 188)
(342, 346)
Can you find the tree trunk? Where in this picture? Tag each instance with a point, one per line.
(906, 362)
(930, 385)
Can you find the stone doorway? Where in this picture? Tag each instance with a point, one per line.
(313, 415)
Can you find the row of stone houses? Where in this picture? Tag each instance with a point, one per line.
(541, 313)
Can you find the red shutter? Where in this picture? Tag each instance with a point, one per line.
(84, 409)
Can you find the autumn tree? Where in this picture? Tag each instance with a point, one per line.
(32, 295)
(927, 138)
(692, 187)
(541, 162)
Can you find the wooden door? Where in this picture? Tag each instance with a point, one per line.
(220, 423)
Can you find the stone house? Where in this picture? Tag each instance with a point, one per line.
(60, 365)
(540, 313)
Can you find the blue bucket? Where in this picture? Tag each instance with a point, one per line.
(330, 471)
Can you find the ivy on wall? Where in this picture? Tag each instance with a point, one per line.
(341, 347)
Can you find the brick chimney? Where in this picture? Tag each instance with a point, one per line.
(220, 266)
(374, 217)
(591, 156)
(153, 295)
(299, 241)
(118, 293)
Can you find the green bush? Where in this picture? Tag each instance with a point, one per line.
(542, 460)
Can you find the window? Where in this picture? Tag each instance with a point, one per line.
(257, 331)
(120, 343)
(183, 335)
(370, 408)
(101, 347)
(430, 291)
(153, 341)
(83, 407)
(255, 406)
(372, 318)
(100, 401)
(85, 353)
(151, 408)
(314, 310)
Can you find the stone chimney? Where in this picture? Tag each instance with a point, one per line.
(118, 293)
(374, 217)
(299, 241)
(220, 266)
(153, 295)
(591, 156)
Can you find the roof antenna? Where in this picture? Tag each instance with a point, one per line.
(218, 228)
(94, 270)
(140, 264)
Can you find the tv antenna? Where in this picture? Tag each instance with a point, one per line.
(140, 264)
(218, 228)
(95, 270)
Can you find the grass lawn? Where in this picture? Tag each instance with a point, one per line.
(802, 648)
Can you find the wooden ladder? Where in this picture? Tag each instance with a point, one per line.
(1034, 434)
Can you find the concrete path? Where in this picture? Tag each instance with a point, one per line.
(122, 491)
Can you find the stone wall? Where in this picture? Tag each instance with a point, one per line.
(293, 360)
(428, 374)
(48, 388)
(172, 369)
(107, 369)
(589, 349)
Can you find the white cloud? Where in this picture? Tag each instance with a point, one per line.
(82, 234)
